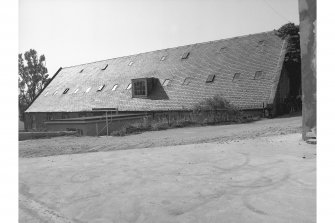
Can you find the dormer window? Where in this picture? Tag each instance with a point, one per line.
(104, 68)
(210, 78)
(66, 90)
(142, 87)
(139, 88)
(185, 55)
(101, 87)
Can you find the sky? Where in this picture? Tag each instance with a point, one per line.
(72, 32)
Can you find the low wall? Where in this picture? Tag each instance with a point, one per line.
(39, 135)
(92, 126)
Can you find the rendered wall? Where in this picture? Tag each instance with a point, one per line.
(307, 11)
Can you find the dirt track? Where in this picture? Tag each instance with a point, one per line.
(182, 136)
(266, 179)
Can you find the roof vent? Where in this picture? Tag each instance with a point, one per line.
(81, 71)
(75, 91)
(130, 63)
(166, 82)
(236, 76)
(104, 68)
(163, 58)
(88, 90)
(66, 90)
(101, 87)
(128, 87)
(114, 87)
(210, 78)
(258, 75)
(46, 93)
(185, 55)
(187, 81)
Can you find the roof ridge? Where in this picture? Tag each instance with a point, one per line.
(153, 51)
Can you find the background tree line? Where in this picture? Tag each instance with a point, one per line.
(32, 77)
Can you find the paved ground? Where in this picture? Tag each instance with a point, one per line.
(182, 136)
(267, 179)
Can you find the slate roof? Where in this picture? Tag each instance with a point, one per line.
(224, 58)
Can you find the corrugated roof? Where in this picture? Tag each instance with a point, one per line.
(222, 58)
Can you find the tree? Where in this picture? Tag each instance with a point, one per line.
(32, 77)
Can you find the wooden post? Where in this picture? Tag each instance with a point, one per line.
(107, 122)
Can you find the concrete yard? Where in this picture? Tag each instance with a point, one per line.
(264, 179)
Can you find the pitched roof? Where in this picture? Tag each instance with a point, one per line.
(223, 58)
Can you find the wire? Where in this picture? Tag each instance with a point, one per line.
(275, 11)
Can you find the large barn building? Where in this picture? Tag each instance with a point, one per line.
(249, 71)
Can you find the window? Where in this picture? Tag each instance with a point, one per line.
(81, 71)
(130, 63)
(185, 55)
(75, 91)
(236, 76)
(49, 116)
(88, 90)
(129, 86)
(163, 58)
(66, 90)
(258, 75)
(104, 68)
(187, 81)
(46, 93)
(166, 82)
(139, 88)
(114, 87)
(210, 78)
(101, 87)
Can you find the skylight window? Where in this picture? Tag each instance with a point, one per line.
(223, 49)
(104, 68)
(210, 78)
(258, 75)
(114, 87)
(129, 86)
(185, 55)
(236, 76)
(166, 82)
(88, 90)
(66, 90)
(163, 58)
(187, 81)
(130, 63)
(101, 87)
